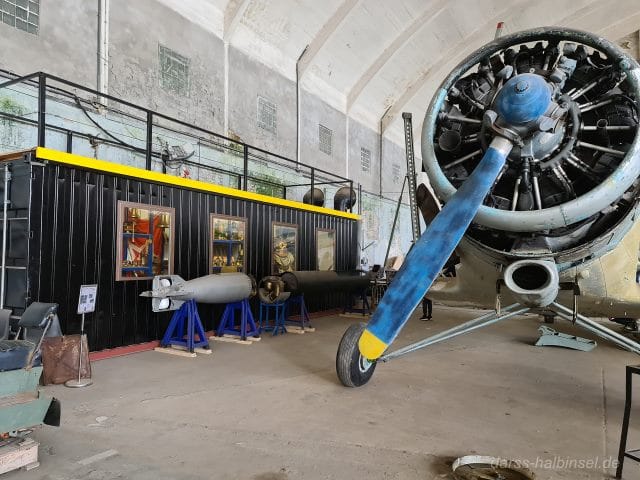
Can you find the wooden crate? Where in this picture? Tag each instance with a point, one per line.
(21, 453)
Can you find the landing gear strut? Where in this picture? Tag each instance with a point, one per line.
(355, 371)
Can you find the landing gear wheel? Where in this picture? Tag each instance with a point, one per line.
(353, 369)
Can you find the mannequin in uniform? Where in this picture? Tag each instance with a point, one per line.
(283, 259)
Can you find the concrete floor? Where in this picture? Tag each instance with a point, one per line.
(275, 411)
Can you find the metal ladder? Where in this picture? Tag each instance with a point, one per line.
(410, 178)
(411, 175)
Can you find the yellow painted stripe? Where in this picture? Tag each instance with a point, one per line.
(125, 170)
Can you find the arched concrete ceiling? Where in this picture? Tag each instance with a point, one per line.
(368, 57)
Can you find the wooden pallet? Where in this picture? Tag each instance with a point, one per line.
(366, 316)
(299, 329)
(181, 351)
(234, 339)
(20, 453)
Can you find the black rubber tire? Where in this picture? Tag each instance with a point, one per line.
(352, 369)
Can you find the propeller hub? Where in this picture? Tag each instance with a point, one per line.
(523, 99)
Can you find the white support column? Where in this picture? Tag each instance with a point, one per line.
(226, 88)
(346, 148)
(103, 49)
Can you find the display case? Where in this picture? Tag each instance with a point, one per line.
(227, 243)
(145, 246)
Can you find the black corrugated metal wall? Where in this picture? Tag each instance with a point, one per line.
(73, 242)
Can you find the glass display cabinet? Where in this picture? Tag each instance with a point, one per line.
(227, 244)
(145, 246)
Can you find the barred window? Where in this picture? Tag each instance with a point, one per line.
(174, 71)
(395, 172)
(365, 159)
(22, 14)
(325, 139)
(267, 115)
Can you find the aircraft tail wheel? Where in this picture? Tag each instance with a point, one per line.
(353, 369)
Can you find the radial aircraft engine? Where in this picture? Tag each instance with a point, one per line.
(530, 145)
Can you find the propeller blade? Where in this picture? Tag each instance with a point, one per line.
(429, 254)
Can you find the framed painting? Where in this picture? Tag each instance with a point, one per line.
(284, 247)
(325, 249)
(145, 241)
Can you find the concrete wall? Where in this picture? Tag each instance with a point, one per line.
(249, 79)
(363, 137)
(134, 70)
(631, 44)
(316, 112)
(394, 168)
(65, 46)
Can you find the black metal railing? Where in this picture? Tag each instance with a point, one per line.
(48, 88)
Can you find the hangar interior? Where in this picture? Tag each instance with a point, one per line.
(251, 206)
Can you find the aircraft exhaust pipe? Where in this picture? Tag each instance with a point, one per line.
(534, 283)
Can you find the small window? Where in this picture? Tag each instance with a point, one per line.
(146, 236)
(365, 159)
(21, 14)
(325, 139)
(174, 71)
(267, 115)
(395, 172)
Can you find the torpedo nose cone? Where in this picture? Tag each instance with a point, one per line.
(523, 99)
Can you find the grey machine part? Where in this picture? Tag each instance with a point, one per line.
(551, 338)
(169, 292)
(272, 290)
(344, 199)
(317, 200)
(481, 467)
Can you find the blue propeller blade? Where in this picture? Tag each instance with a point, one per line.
(429, 254)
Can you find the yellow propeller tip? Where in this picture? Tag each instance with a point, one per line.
(370, 346)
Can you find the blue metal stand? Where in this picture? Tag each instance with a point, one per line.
(279, 309)
(304, 314)
(183, 333)
(366, 308)
(247, 326)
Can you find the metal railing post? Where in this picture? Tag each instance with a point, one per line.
(69, 141)
(149, 140)
(5, 233)
(313, 183)
(42, 108)
(351, 196)
(245, 151)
